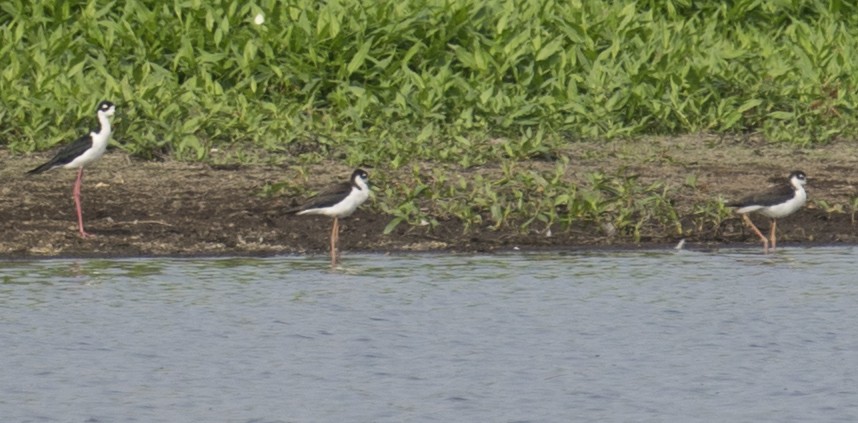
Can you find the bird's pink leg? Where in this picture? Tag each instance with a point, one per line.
(774, 242)
(76, 195)
(757, 231)
(334, 235)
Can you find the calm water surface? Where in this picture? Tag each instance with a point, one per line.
(728, 336)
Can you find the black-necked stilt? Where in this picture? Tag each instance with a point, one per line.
(82, 152)
(778, 202)
(339, 201)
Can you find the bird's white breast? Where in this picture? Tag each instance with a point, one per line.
(345, 207)
(787, 208)
(99, 146)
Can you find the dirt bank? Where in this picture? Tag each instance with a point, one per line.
(137, 208)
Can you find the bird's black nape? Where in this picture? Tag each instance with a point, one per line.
(105, 105)
(358, 173)
(801, 176)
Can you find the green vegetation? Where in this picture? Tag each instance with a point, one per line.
(464, 83)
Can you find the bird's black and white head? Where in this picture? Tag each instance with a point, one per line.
(106, 108)
(360, 179)
(797, 178)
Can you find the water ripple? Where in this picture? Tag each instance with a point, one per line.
(729, 335)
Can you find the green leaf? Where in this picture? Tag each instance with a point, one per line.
(359, 58)
(392, 225)
(549, 49)
(750, 104)
(782, 115)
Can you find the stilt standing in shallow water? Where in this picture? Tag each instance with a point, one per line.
(339, 201)
(778, 202)
(82, 152)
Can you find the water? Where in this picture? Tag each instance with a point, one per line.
(611, 336)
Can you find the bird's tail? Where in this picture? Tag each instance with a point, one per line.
(43, 168)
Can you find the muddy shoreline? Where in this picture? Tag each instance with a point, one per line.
(143, 209)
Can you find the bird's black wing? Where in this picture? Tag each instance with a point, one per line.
(327, 198)
(774, 196)
(66, 154)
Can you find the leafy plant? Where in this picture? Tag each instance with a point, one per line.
(447, 81)
(459, 85)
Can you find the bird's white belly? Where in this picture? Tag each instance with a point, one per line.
(344, 208)
(86, 158)
(99, 145)
(787, 208)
